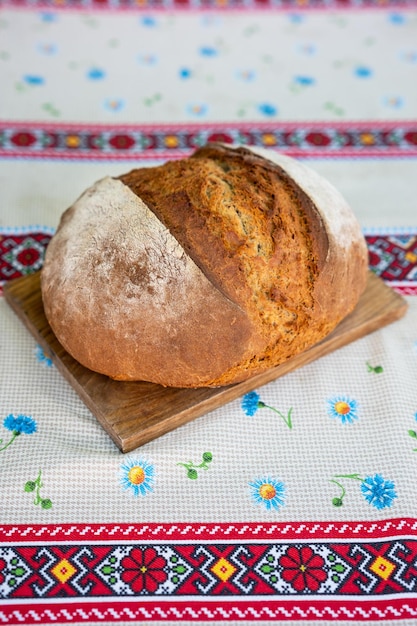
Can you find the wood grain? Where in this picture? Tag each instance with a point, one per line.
(133, 413)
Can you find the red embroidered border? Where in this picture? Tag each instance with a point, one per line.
(282, 611)
(293, 5)
(382, 584)
(126, 142)
(209, 531)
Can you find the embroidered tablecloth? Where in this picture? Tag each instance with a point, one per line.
(297, 501)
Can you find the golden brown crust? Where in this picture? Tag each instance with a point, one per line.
(247, 269)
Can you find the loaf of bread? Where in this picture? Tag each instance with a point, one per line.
(203, 271)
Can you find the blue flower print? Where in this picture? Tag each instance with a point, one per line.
(96, 73)
(344, 408)
(137, 475)
(114, 104)
(378, 491)
(267, 109)
(361, 71)
(397, 18)
(197, 109)
(48, 17)
(20, 424)
(184, 72)
(32, 79)
(208, 51)
(307, 49)
(48, 49)
(246, 75)
(304, 81)
(269, 492)
(296, 18)
(148, 58)
(393, 102)
(148, 21)
(42, 357)
(251, 402)
(409, 56)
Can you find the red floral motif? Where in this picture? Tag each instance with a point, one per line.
(28, 256)
(122, 142)
(303, 568)
(223, 137)
(2, 566)
(411, 137)
(318, 139)
(143, 570)
(23, 139)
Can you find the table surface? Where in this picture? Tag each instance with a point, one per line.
(235, 516)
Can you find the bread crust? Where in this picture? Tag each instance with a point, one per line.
(204, 271)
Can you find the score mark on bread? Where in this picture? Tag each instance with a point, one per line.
(202, 271)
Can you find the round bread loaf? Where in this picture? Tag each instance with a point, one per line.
(203, 271)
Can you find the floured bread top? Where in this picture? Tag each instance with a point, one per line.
(116, 239)
(202, 271)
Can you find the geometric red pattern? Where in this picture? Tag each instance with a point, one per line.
(392, 255)
(217, 572)
(22, 251)
(134, 141)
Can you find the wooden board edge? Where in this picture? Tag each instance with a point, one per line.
(220, 396)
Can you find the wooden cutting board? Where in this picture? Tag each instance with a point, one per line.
(133, 413)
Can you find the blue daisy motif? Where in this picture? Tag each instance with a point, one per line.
(344, 408)
(197, 109)
(208, 51)
(267, 109)
(378, 491)
(307, 48)
(48, 49)
(137, 475)
(268, 492)
(148, 58)
(362, 71)
(20, 424)
(114, 104)
(247, 75)
(409, 56)
(42, 357)
(250, 403)
(393, 102)
(96, 73)
(33, 79)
